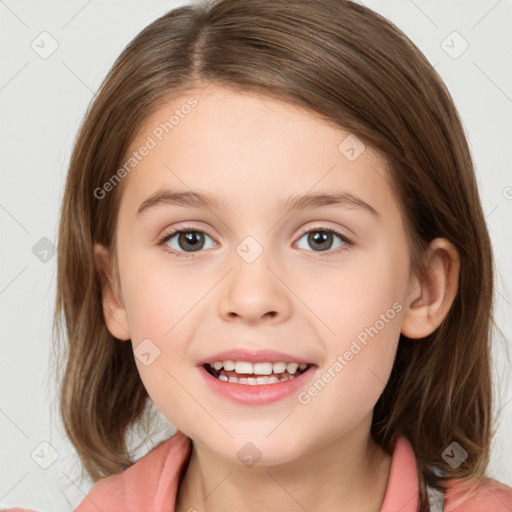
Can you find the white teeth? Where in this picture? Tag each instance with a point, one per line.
(243, 367)
(267, 380)
(262, 368)
(292, 367)
(251, 381)
(279, 367)
(266, 368)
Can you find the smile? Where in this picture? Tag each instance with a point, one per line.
(255, 374)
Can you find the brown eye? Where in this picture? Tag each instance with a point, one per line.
(186, 241)
(322, 239)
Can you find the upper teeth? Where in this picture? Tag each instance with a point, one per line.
(259, 368)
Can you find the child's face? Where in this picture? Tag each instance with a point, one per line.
(253, 154)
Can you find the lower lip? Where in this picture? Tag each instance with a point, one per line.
(258, 394)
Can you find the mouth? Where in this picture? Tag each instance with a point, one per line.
(256, 374)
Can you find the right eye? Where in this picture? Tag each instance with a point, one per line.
(187, 241)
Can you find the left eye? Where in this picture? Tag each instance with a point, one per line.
(193, 240)
(323, 238)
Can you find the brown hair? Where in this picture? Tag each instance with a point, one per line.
(357, 70)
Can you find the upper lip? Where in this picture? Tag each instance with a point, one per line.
(252, 356)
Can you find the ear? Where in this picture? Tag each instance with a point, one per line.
(114, 311)
(432, 295)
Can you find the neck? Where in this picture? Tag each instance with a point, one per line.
(349, 474)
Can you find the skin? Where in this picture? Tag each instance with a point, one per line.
(254, 152)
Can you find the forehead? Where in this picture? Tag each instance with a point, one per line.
(249, 148)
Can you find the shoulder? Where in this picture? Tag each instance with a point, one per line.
(478, 496)
(145, 481)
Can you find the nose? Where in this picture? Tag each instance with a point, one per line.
(254, 292)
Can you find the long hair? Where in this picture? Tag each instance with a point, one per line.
(348, 64)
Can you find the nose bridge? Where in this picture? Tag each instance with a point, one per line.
(253, 290)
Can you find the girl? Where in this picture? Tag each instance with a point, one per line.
(272, 231)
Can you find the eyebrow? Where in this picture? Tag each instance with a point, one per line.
(190, 199)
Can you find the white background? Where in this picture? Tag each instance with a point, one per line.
(43, 102)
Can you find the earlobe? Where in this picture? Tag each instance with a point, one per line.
(433, 294)
(114, 311)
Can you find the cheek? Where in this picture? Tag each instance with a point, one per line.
(363, 311)
(156, 298)
(357, 366)
(367, 291)
(162, 309)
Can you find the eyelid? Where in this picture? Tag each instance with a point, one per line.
(173, 231)
(326, 227)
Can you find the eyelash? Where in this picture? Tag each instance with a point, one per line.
(186, 229)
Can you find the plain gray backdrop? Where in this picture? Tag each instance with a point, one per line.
(54, 56)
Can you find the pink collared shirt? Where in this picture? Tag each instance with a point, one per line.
(151, 485)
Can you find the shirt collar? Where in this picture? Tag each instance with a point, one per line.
(401, 494)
